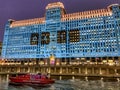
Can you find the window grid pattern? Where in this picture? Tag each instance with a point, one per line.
(78, 37)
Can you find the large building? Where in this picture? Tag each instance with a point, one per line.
(0, 48)
(88, 34)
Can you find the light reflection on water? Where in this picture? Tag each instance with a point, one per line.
(64, 85)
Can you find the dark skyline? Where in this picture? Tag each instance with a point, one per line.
(28, 9)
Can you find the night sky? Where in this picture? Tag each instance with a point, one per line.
(28, 9)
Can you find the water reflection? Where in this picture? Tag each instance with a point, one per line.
(64, 85)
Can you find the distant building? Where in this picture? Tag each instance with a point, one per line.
(88, 34)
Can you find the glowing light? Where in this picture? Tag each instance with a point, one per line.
(53, 5)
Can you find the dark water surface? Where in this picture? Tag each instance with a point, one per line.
(64, 85)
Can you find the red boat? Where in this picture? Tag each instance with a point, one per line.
(31, 79)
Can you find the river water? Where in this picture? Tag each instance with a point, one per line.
(64, 85)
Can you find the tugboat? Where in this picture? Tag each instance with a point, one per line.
(31, 79)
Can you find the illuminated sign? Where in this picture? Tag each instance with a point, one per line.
(34, 39)
(45, 38)
(61, 37)
(74, 36)
(52, 59)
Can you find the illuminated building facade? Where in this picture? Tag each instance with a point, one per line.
(94, 33)
(0, 48)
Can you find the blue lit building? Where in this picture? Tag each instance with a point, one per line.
(88, 34)
(0, 49)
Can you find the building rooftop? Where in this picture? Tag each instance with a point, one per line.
(54, 5)
(65, 17)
